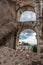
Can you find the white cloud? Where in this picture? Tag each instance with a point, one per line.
(28, 16)
(31, 40)
(28, 36)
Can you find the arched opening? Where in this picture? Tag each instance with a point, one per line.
(28, 16)
(28, 40)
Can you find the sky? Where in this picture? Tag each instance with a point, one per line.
(28, 16)
(28, 36)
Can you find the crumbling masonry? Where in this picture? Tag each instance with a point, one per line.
(11, 27)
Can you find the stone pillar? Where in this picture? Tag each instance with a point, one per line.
(17, 42)
(15, 35)
(38, 49)
(42, 22)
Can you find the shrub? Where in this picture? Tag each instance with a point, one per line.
(34, 48)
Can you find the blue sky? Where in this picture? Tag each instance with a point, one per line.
(26, 33)
(28, 16)
(22, 37)
(28, 36)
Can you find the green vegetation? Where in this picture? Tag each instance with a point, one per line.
(26, 44)
(34, 48)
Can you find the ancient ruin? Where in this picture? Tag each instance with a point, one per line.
(11, 27)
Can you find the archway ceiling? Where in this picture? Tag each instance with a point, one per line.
(24, 3)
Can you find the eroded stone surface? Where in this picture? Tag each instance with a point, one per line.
(10, 28)
(9, 56)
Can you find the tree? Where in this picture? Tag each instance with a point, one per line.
(26, 44)
(34, 48)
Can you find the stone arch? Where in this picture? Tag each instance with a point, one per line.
(24, 38)
(22, 3)
(22, 27)
(24, 6)
(23, 9)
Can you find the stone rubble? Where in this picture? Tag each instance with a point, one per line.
(9, 56)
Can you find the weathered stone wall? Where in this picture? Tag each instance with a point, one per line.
(7, 23)
(36, 25)
(22, 9)
(10, 29)
(10, 56)
(9, 12)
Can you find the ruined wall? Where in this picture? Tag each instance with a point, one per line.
(7, 23)
(10, 56)
(36, 25)
(10, 26)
